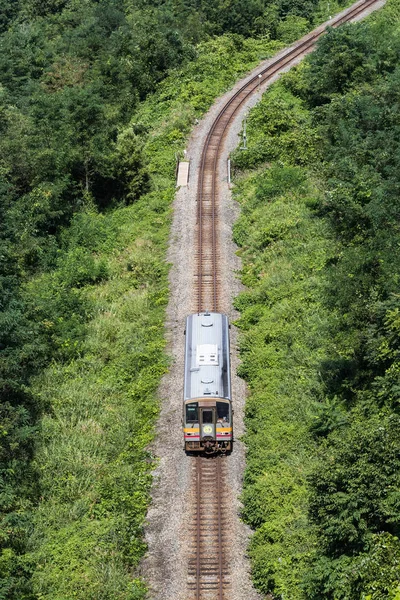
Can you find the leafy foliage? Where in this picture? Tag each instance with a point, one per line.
(344, 100)
(283, 324)
(86, 181)
(88, 176)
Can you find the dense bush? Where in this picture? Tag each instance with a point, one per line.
(343, 127)
(86, 181)
(85, 208)
(283, 323)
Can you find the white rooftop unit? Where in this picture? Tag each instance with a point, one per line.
(207, 355)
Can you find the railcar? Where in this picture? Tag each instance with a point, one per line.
(207, 403)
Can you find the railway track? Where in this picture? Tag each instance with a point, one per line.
(207, 252)
(208, 572)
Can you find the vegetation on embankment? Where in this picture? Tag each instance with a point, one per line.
(319, 238)
(87, 180)
(93, 443)
(284, 325)
(91, 301)
(86, 184)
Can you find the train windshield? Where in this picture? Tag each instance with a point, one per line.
(223, 411)
(207, 416)
(192, 413)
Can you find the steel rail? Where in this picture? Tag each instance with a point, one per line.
(309, 40)
(198, 561)
(207, 573)
(220, 544)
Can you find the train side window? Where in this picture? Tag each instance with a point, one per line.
(192, 413)
(223, 411)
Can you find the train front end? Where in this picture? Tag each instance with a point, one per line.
(207, 408)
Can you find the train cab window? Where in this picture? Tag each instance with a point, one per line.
(223, 412)
(192, 413)
(207, 416)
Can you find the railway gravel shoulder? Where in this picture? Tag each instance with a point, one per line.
(165, 567)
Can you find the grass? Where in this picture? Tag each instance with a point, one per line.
(92, 449)
(100, 393)
(283, 323)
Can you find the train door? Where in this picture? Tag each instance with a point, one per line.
(207, 423)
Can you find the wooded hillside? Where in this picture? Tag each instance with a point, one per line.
(96, 98)
(319, 235)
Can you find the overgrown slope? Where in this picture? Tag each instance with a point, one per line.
(318, 235)
(85, 290)
(86, 183)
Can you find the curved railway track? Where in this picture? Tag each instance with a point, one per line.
(207, 280)
(208, 573)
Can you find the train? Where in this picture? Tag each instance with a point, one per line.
(207, 397)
